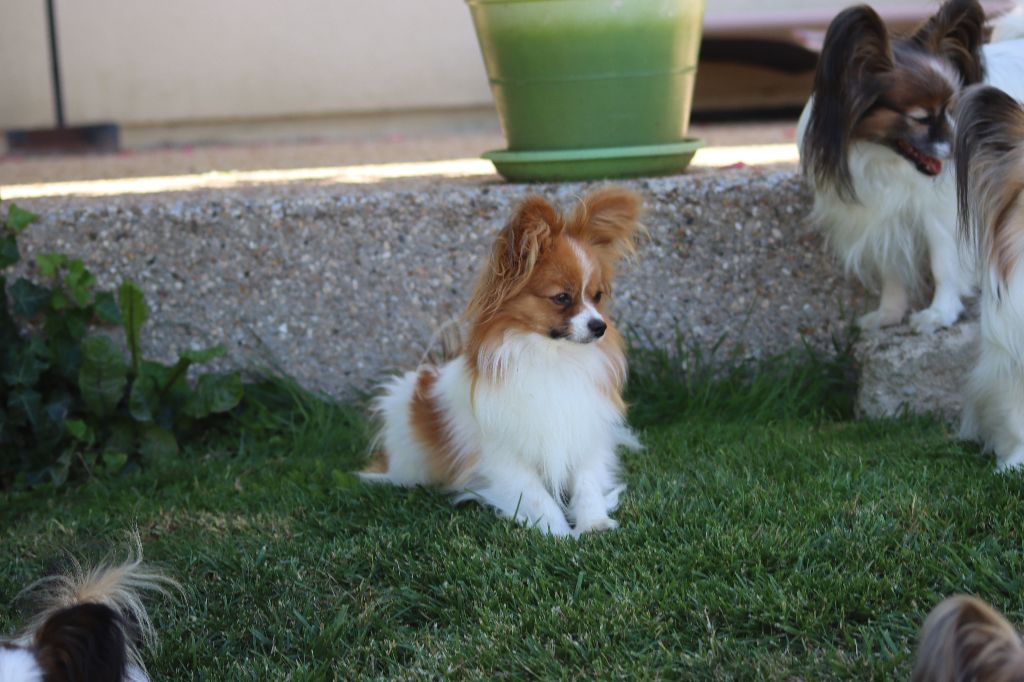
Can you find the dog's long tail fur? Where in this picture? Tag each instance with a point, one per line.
(963, 639)
(989, 151)
(117, 586)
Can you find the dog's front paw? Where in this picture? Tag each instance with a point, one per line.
(595, 526)
(558, 528)
(879, 318)
(929, 320)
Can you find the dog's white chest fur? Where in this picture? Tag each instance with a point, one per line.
(535, 437)
(887, 231)
(550, 406)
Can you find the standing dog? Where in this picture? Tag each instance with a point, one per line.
(528, 417)
(990, 182)
(874, 140)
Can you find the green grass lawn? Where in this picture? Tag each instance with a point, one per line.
(765, 535)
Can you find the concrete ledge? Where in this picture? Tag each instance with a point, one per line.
(338, 285)
(905, 372)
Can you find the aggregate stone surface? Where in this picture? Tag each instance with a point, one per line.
(906, 372)
(340, 285)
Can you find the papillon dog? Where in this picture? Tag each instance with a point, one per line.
(88, 626)
(528, 416)
(990, 186)
(964, 638)
(874, 140)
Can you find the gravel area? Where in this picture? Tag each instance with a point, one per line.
(340, 285)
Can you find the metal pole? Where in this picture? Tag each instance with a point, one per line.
(58, 97)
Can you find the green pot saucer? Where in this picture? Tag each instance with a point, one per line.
(593, 164)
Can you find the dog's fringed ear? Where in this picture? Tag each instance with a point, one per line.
(607, 220)
(989, 153)
(964, 638)
(528, 232)
(856, 58)
(957, 32)
(515, 254)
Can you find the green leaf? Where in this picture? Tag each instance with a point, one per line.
(51, 431)
(76, 323)
(114, 461)
(65, 354)
(18, 218)
(24, 405)
(50, 263)
(215, 393)
(158, 372)
(8, 252)
(26, 363)
(103, 375)
(79, 282)
(28, 298)
(80, 431)
(106, 308)
(59, 470)
(178, 372)
(134, 314)
(58, 301)
(121, 435)
(155, 443)
(144, 399)
(10, 333)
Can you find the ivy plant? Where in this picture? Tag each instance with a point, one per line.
(73, 401)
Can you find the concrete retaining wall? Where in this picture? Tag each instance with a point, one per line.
(338, 285)
(904, 372)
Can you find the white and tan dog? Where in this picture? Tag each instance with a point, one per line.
(528, 417)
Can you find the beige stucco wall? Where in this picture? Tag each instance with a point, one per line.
(25, 98)
(167, 61)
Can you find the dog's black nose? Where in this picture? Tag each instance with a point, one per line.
(597, 327)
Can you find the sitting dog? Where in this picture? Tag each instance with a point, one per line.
(527, 418)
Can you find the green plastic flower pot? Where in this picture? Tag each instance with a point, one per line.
(570, 75)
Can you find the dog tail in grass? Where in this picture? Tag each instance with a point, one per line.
(964, 638)
(96, 616)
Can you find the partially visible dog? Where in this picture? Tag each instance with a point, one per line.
(89, 625)
(990, 187)
(874, 140)
(964, 639)
(527, 418)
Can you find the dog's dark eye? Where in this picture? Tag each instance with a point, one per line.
(562, 299)
(597, 297)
